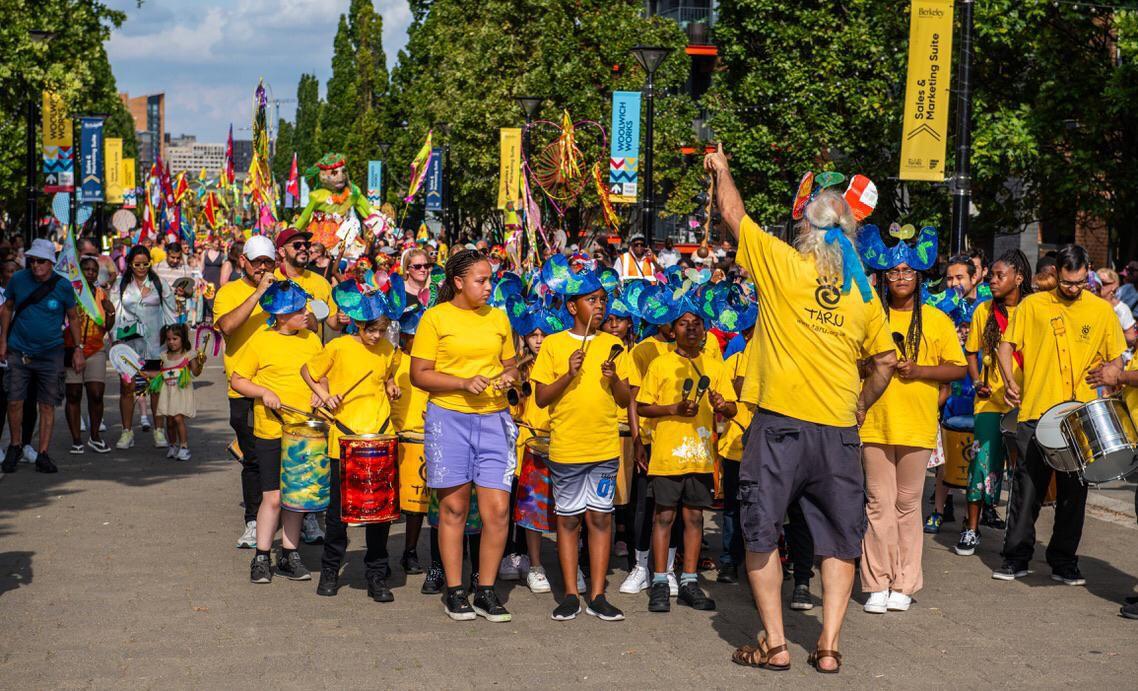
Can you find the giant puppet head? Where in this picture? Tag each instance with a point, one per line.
(333, 172)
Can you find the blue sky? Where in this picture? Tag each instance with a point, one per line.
(206, 55)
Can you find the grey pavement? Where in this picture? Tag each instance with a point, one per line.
(121, 572)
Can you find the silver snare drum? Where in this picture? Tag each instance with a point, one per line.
(1103, 439)
(1052, 443)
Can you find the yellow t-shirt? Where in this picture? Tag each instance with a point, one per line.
(682, 445)
(408, 410)
(466, 343)
(1090, 333)
(229, 297)
(1130, 393)
(316, 285)
(809, 336)
(538, 419)
(642, 355)
(975, 344)
(731, 441)
(344, 360)
(583, 420)
(906, 414)
(272, 360)
(750, 391)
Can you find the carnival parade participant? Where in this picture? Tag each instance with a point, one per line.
(174, 387)
(900, 430)
(266, 370)
(804, 441)
(292, 248)
(368, 358)
(464, 358)
(238, 315)
(577, 377)
(93, 379)
(683, 456)
(1010, 276)
(1063, 335)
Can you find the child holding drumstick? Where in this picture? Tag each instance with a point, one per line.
(266, 371)
(363, 407)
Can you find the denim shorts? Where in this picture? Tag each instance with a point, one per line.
(469, 447)
(44, 370)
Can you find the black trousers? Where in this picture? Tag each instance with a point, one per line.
(240, 421)
(799, 544)
(336, 535)
(1029, 485)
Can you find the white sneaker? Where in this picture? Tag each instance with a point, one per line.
(183, 454)
(102, 427)
(510, 568)
(30, 454)
(537, 581)
(581, 588)
(171, 451)
(637, 581)
(145, 422)
(160, 439)
(248, 539)
(310, 532)
(877, 602)
(126, 440)
(673, 585)
(898, 602)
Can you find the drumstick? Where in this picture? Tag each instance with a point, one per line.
(585, 343)
(531, 427)
(353, 386)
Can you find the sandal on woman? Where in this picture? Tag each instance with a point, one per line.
(759, 656)
(819, 655)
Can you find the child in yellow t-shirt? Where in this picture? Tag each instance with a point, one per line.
(580, 376)
(618, 322)
(266, 370)
(364, 360)
(682, 392)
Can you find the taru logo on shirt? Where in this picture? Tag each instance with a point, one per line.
(827, 294)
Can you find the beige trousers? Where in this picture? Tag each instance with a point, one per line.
(894, 540)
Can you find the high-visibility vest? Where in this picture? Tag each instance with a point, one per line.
(630, 269)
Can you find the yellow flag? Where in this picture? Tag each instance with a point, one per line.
(112, 149)
(510, 168)
(925, 131)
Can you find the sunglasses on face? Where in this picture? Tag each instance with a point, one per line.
(420, 267)
(263, 262)
(139, 265)
(299, 245)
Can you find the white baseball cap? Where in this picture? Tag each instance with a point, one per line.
(259, 247)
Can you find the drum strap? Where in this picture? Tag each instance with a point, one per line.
(1063, 348)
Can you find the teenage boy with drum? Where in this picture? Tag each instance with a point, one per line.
(1063, 334)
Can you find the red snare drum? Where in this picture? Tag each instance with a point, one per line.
(369, 483)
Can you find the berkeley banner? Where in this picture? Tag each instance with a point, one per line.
(113, 150)
(925, 128)
(435, 180)
(91, 160)
(58, 145)
(624, 156)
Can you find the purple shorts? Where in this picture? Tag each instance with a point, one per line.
(469, 447)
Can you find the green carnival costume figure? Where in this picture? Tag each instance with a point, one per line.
(336, 208)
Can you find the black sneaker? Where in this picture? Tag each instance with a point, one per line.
(728, 573)
(12, 459)
(433, 583)
(969, 540)
(410, 563)
(949, 514)
(1010, 571)
(1129, 611)
(261, 569)
(329, 582)
(569, 608)
(377, 588)
(693, 596)
(990, 518)
(486, 604)
(601, 609)
(658, 598)
(292, 568)
(457, 606)
(800, 599)
(1069, 575)
(1131, 599)
(44, 464)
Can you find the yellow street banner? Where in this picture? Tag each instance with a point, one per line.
(112, 150)
(510, 169)
(129, 184)
(924, 133)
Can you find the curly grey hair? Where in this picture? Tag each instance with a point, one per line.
(827, 210)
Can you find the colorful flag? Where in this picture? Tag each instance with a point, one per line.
(292, 189)
(68, 266)
(419, 168)
(227, 176)
(210, 209)
(181, 186)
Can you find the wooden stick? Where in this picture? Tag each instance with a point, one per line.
(531, 427)
(353, 386)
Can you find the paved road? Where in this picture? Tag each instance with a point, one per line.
(120, 571)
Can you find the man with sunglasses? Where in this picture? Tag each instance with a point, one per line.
(292, 251)
(239, 315)
(31, 341)
(637, 263)
(1068, 338)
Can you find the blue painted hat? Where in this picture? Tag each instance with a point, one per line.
(560, 278)
(507, 284)
(527, 317)
(920, 254)
(284, 297)
(364, 305)
(661, 305)
(409, 320)
(737, 318)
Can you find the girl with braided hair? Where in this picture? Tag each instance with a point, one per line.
(1009, 281)
(900, 430)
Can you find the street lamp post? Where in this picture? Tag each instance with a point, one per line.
(531, 105)
(962, 182)
(384, 149)
(649, 58)
(31, 163)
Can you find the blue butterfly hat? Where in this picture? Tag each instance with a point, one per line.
(919, 254)
(659, 305)
(529, 316)
(364, 305)
(283, 297)
(559, 278)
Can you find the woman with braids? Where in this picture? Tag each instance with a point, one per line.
(464, 358)
(900, 430)
(1009, 283)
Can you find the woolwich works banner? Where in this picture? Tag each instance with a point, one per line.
(925, 131)
(624, 151)
(58, 145)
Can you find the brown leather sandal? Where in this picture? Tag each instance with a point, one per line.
(819, 655)
(746, 656)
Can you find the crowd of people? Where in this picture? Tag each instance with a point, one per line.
(804, 389)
